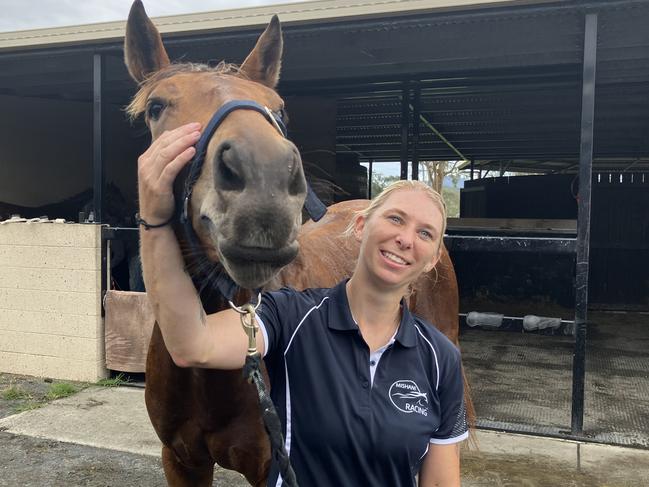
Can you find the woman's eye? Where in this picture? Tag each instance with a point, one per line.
(426, 234)
(154, 109)
(395, 218)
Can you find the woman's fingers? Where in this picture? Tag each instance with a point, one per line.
(165, 150)
(158, 167)
(171, 170)
(175, 148)
(167, 147)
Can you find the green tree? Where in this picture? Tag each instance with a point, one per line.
(380, 181)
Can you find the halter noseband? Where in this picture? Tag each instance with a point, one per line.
(314, 207)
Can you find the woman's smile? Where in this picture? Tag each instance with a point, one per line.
(393, 258)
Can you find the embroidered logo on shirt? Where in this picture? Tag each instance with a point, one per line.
(406, 396)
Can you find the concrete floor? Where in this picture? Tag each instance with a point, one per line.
(523, 382)
(102, 437)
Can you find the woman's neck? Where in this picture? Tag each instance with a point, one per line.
(376, 311)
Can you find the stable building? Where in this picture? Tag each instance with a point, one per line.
(556, 90)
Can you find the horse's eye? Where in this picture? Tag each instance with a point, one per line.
(154, 109)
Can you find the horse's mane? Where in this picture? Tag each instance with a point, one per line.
(138, 103)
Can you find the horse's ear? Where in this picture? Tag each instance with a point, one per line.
(264, 62)
(143, 49)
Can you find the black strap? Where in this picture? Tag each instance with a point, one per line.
(141, 221)
(314, 207)
(272, 424)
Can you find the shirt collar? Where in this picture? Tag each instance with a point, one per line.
(340, 316)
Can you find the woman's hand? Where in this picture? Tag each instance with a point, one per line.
(157, 170)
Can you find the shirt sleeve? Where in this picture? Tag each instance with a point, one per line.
(453, 427)
(272, 317)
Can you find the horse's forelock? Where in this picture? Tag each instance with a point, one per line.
(138, 103)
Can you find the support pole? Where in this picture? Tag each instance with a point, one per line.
(98, 162)
(369, 179)
(583, 222)
(97, 122)
(405, 123)
(472, 168)
(416, 102)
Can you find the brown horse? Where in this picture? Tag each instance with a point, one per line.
(249, 196)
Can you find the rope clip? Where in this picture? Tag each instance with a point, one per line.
(249, 323)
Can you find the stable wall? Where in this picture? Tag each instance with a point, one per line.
(50, 305)
(46, 150)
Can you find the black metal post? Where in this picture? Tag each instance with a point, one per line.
(416, 110)
(98, 163)
(97, 119)
(583, 222)
(369, 179)
(405, 122)
(472, 167)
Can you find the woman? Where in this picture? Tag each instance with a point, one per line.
(368, 393)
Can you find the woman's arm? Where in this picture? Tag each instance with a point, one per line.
(192, 338)
(441, 466)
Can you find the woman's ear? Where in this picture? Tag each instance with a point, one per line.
(359, 226)
(429, 267)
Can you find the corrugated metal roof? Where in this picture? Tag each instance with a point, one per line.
(241, 19)
(501, 85)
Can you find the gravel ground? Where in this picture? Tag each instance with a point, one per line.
(34, 462)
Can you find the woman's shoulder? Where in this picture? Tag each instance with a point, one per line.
(306, 297)
(428, 334)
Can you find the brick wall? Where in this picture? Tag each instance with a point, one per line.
(50, 309)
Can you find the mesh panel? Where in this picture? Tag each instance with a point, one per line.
(460, 427)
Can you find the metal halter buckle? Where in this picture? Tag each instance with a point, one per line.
(248, 322)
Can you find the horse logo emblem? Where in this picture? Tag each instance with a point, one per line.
(406, 396)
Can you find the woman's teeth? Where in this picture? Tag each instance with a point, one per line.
(394, 258)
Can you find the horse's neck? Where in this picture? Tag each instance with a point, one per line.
(321, 263)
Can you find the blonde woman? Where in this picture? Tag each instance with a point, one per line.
(368, 394)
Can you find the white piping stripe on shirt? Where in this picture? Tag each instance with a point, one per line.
(449, 441)
(427, 446)
(302, 321)
(287, 441)
(434, 353)
(264, 333)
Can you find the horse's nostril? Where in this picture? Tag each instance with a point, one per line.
(227, 168)
(206, 221)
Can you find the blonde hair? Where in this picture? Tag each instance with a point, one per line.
(403, 184)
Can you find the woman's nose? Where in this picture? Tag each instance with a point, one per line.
(404, 241)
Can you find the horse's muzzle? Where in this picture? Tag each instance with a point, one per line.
(237, 254)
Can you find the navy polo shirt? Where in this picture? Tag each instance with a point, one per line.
(351, 418)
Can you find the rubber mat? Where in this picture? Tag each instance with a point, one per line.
(523, 381)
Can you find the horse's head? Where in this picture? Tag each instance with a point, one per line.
(245, 205)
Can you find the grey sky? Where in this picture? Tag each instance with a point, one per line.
(37, 14)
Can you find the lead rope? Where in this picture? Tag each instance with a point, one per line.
(252, 373)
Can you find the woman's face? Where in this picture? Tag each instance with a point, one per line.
(401, 239)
